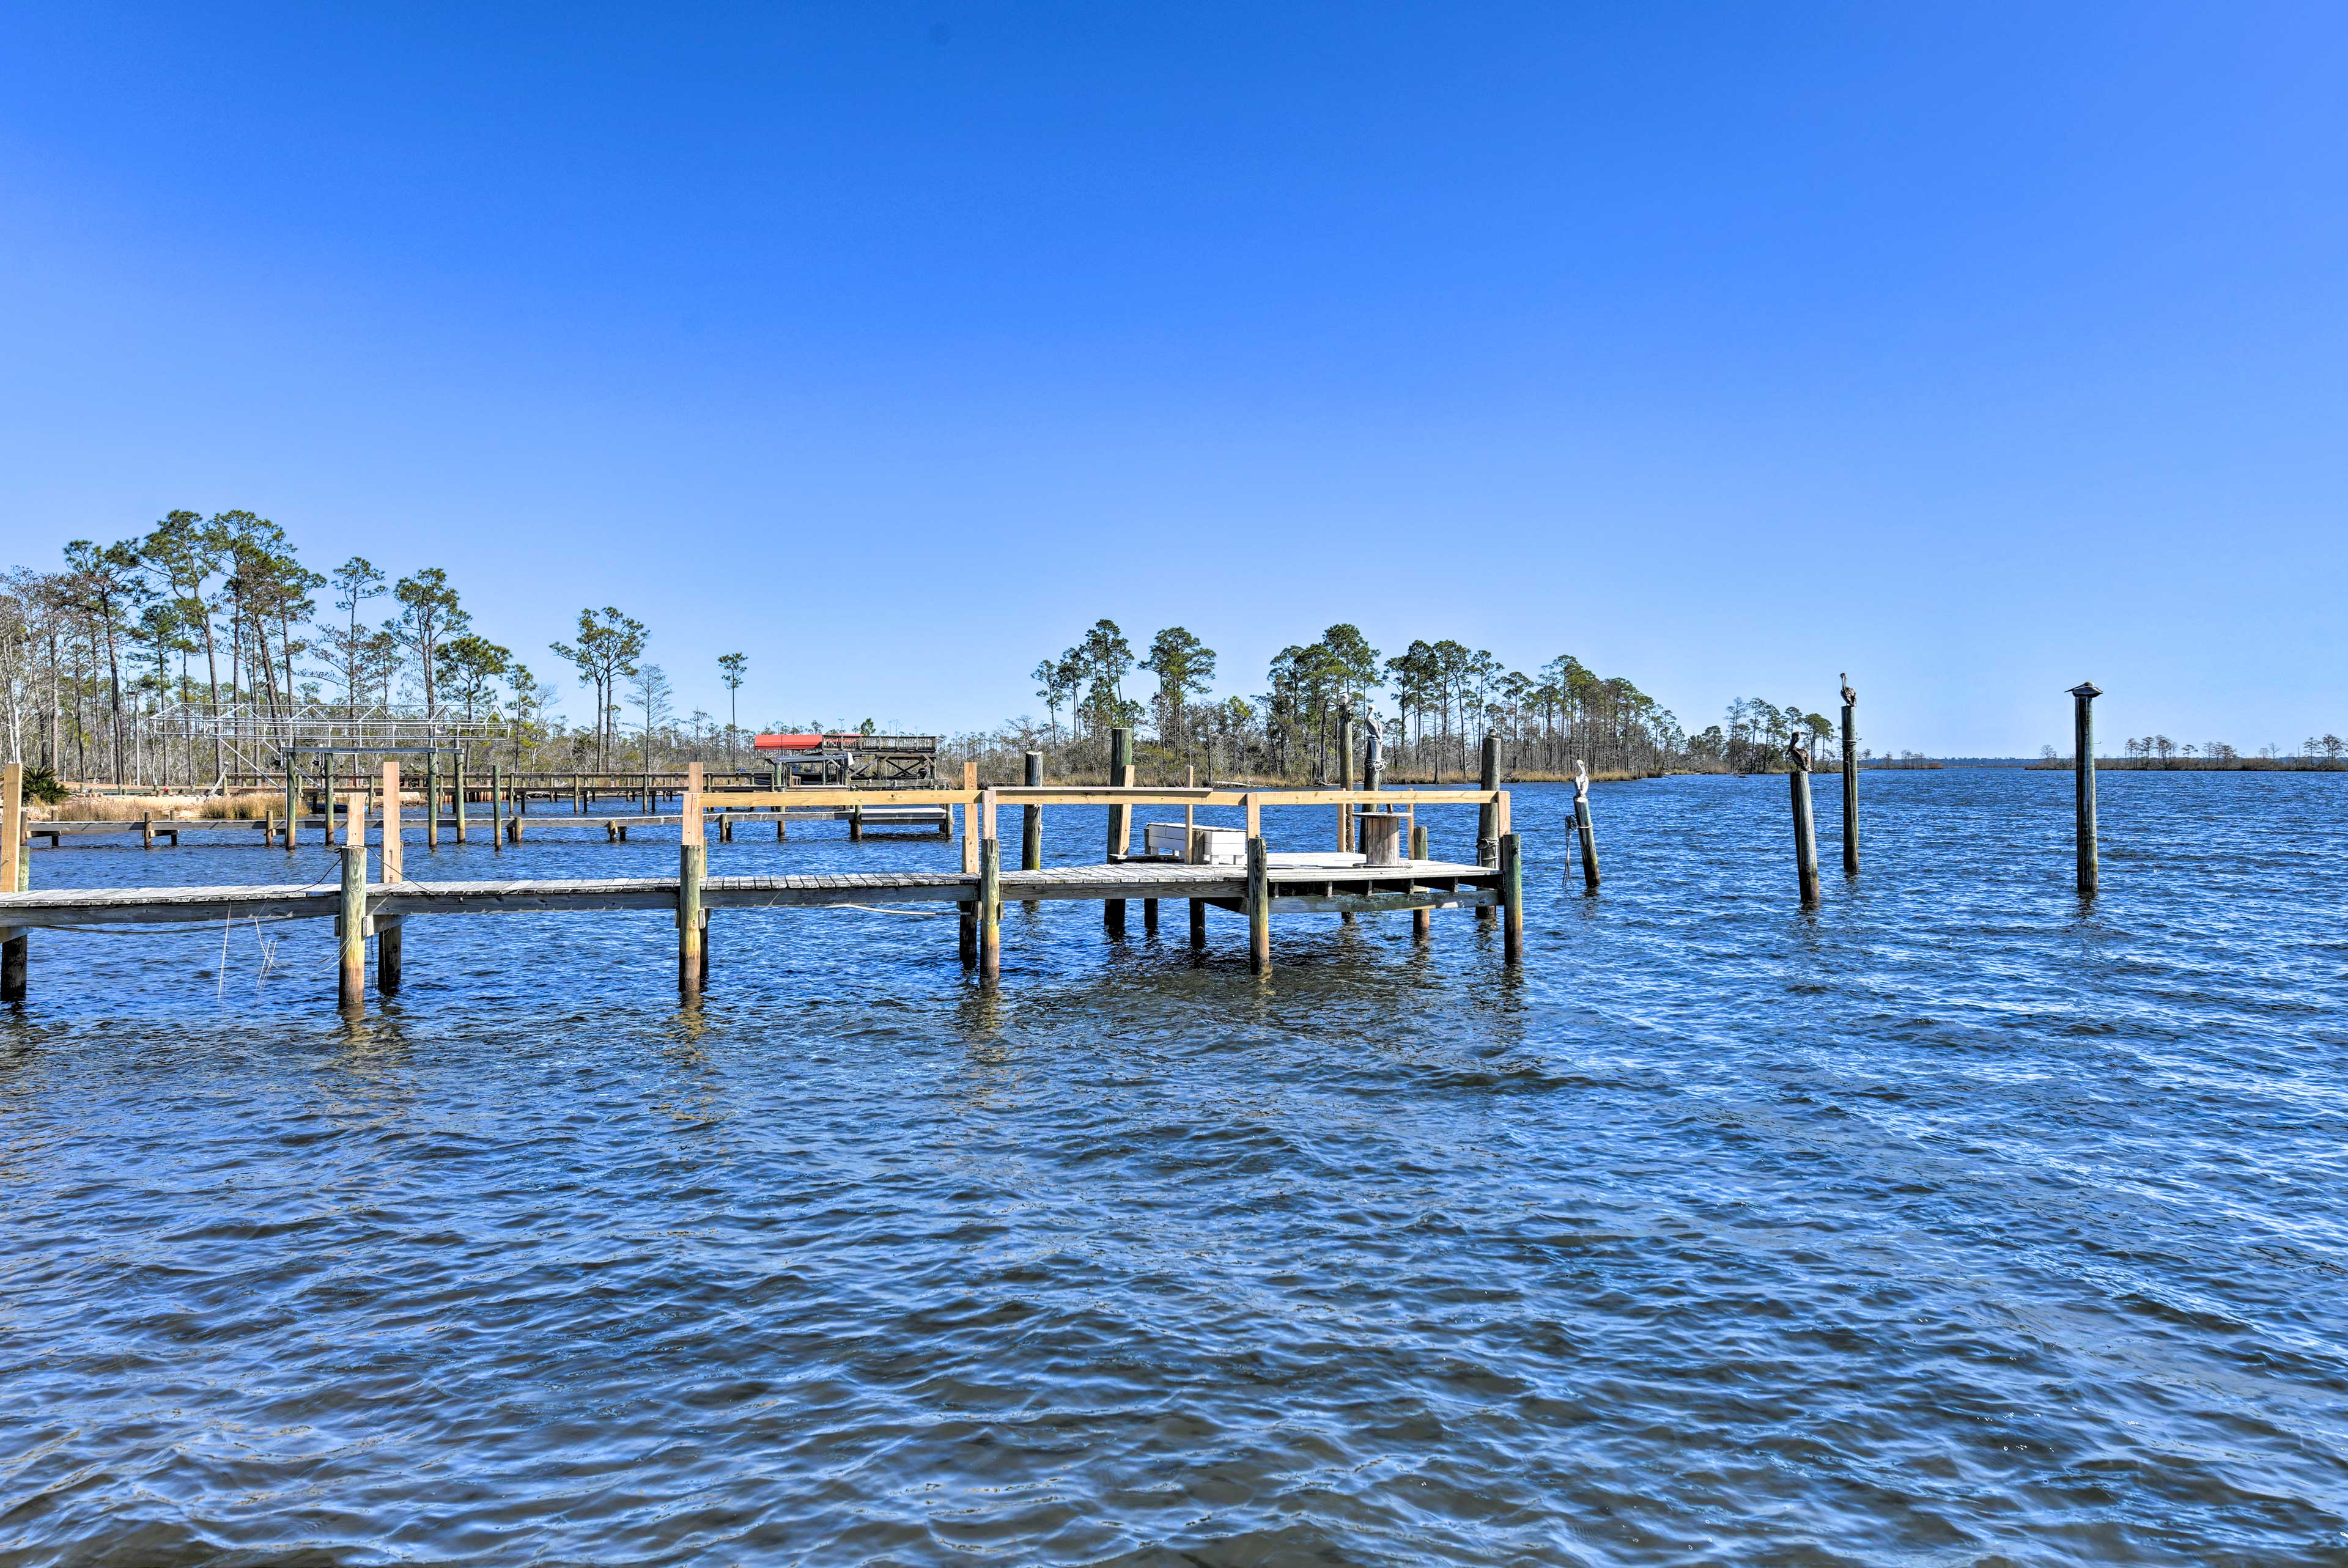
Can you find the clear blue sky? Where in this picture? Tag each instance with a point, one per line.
(1973, 349)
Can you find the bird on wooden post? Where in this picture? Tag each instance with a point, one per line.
(1582, 827)
(1850, 779)
(1806, 838)
(2083, 740)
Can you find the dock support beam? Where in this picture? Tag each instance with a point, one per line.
(1806, 833)
(2082, 741)
(1422, 920)
(1120, 820)
(14, 878)
(350, 926)
(1512, 898)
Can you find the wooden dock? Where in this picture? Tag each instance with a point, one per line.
(1375, 879)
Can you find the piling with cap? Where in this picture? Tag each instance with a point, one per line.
(1850, 779)
(388, 932)
(2083, 726)
(1583, 828)
(1806, 837)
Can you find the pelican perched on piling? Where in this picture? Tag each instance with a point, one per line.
(1850, 697)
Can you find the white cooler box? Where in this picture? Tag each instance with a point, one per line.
(1223, 847)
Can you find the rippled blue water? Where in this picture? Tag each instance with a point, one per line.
(1950, 1223)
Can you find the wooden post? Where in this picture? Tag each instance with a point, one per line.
(1346, 776)
(432, 798)
(691, 865)
(1512, 898)
(293, 801)
(1121, 819)
(1149, 916)
(146, 830)
(350, 925)
(990, 898)
(1030, 822)
(387, 931)
(1487, 832)
(1805, 834)
(14, 878)
(578, 801)
(460, 795)
(498, 807)
(1583, 828)
(1850, 779)
(326, 801)
(1197, 923)
(2082, 741)
(1259, 900)
(1422, 921)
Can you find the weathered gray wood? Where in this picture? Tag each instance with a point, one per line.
(990, 911)
(1380, 836)
(2083, 739)
(1030, 822)
(1259, 907)
(350, 928)
(692, 868)
(1806, 835)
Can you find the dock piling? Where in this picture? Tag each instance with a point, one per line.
(990, 909)
(692, 868)
(350, 926)
(1120, 820)
(432, 799)
(388, 931)
(14, 878)
(1512, 898)
(1850, 779)
(1583, 828)
(2083, 740)
(1259, 906)
(292, 801)
(1806, 833)
(1487, 832)
(1422, 919)
(498, 807)
(460, 795)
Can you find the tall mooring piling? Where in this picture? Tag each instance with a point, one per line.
(1806, 833)
(1850, 779)
(1121, 819)
(2082, 741)
(1487, 829)
(1583, 828)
